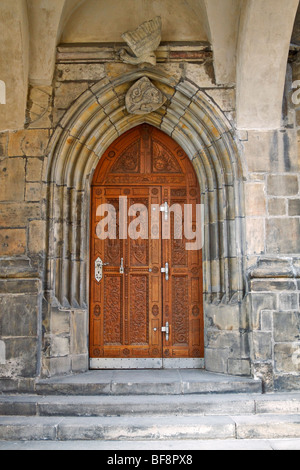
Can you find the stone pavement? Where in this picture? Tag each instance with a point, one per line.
(189, 445)
(139, 410)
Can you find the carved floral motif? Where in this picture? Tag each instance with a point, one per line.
(129, 160)
(162, 160)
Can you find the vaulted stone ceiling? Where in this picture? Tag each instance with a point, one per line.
(250, 41)
(103, 21)
(296, 30)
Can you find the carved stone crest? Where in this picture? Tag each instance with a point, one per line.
(144, 98)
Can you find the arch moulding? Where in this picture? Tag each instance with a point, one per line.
(94, 122)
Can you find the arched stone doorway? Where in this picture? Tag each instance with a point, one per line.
(86, 131)
(132, 302)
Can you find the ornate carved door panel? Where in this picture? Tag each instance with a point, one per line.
(131, 300)
(126, 304)
(183, 292)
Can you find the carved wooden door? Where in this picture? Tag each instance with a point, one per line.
(141, 317)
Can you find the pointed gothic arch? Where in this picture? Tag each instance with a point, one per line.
(86, 131)
(96, 119)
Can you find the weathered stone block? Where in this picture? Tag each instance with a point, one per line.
(225, 98)
(216, 360)
(277, 207)
(286, 326)
(12, 171)
(36, 238)
(283, 235)
(283, 185)
(264, 372)
(223, 317)
(18, 315)
(267, 285)
(230, 340)
(21, 357)
(79, 332)
(203, 76)
(2, 353)
(239, 367)
(266, 320)
(30, 143)
(12, 242)
(56, 366)
(3, 144)
(260, 150)
(33, 192)
(60, 346)
(19, 286)
(262, 345)
(67, 92)
(287, 357)
(34, 169)
(274, 266)
(16, 215)
(259, 303)
(286, 383)
(288, 301)
(80, 363)
(294, 207)
(59, 322)
(255, 236)
(39, 107)
(80, 72)
(255, 203)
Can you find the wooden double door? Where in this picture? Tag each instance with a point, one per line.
(146, 299)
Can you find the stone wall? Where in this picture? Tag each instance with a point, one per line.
(273, 246)
(251, 328)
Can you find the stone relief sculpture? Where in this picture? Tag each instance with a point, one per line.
(143, 42)
(144, 98)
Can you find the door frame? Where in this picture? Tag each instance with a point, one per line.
(147, 363)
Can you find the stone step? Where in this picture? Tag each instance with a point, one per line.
(89, 406)
(149, 428)
(141, 382)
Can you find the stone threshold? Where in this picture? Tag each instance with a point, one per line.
(147, 382)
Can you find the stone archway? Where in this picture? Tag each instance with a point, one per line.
(197, 125)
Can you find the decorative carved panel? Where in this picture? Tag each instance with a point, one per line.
(180, 310)
(129, 161)
(162, 160)
(129, 309)
(139, 312)
(112, 310)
